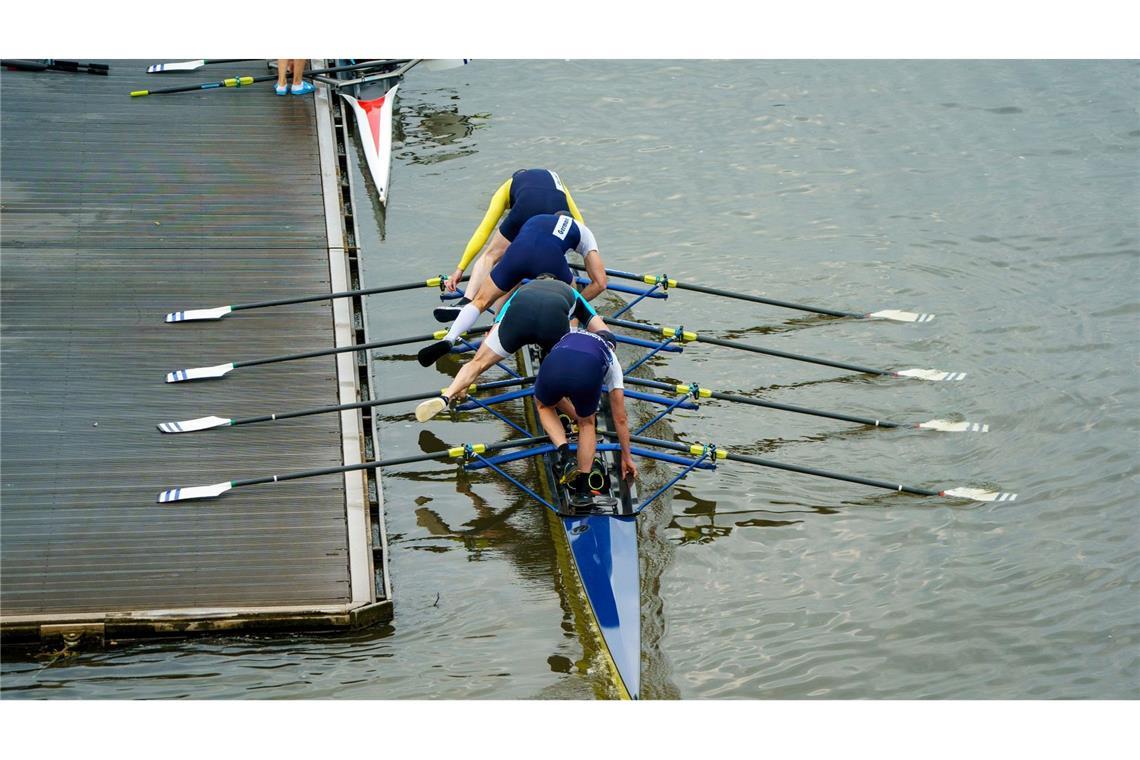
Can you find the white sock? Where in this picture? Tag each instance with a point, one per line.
(467, 316)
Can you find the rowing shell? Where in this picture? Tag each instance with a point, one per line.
(605, 561)
(374, 125)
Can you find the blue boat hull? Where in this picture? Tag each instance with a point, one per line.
(605, 554)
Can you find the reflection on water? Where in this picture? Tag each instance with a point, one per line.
(999, 195)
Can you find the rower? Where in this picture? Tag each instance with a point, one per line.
(527, 193)
(540, 247)
(538, 312)
(578, 369)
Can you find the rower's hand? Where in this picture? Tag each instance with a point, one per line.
(628, 468)
(453, 280)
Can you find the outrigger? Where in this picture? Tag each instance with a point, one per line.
(602, 539)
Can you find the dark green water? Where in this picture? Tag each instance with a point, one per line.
(1001, 196)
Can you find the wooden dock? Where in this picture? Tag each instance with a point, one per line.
(115, 211)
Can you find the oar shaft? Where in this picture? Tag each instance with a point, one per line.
(767, 301)
(376, 402)
(789, 467)
(700, 338)
(345, 349)
(768, 404)
(433, 282)
(796, 357)
(833, 475)
(652, 279)
(444, 454)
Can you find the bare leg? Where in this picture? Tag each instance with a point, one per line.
(550, 423)
(484, 359)
(298, 68)
(485, 263)
(282, 67)
(587, 442)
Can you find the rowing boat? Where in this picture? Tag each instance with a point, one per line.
(371, 96)
(600, 542)
(603, 550)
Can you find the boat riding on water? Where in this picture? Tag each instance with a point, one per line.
(600, 539)
(368, 86)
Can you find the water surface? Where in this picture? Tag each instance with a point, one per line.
(1001, 196)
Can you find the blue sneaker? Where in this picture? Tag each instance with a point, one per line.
(281, 89)
(302, 89)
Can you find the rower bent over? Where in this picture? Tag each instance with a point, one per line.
(539, 312)
(540, 248)
(527, 193)
(579, 368)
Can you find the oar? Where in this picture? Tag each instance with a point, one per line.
(192, 315)
(666, 282)
(74, 67)
(690, 337)
(217, 489)
(203, 373)
(159, 68)
(246, 81)
(976, 494)
(206, 423)
(945, 426)
(442, 64)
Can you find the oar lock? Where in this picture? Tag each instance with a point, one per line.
(679, 332)
(710, 450)
(659, 279)
(467, 451)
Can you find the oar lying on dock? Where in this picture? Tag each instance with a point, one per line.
(698, 391)
(667, 283)
(220, 370)
(217, 489)
(193, 315)
(691, 337)
(159, 68)
(442, 63)
(716, 453)
(207, 423)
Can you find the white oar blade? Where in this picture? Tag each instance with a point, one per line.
(442, 64)
(189, 426)
(158, 68)
(934, 375)
(194, 492)
(193, 315)
(900, 316)
(198, 373)
(949, 426)
(980, 494)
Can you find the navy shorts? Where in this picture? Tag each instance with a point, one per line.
(577, 375)
(527, 262)
(532, 202)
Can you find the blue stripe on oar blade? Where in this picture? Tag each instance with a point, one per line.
(605, 551)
